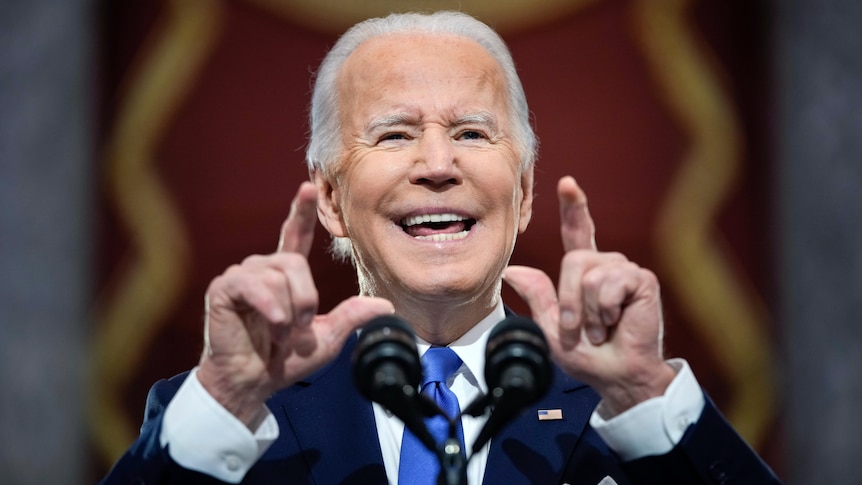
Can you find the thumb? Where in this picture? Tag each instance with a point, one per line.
(537, 290)
(354, 312)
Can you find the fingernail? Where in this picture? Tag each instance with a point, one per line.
(276, 315)
(596, 335)
(567, 319)
(305, 318)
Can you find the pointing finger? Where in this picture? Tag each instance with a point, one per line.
(297, 232)
(576, 225)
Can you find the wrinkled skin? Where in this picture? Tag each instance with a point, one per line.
(426, 132)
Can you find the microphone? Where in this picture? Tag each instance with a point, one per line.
(517, 370)
(387, 370)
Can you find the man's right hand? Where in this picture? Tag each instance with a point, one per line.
(262, 332)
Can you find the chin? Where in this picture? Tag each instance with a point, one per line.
(453, 287)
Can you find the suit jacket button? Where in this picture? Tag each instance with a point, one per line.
(717, 472)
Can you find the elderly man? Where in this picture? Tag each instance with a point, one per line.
(421, 159)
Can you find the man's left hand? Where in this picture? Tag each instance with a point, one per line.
(603, 322)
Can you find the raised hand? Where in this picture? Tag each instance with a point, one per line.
(603, 321)
(262, 332)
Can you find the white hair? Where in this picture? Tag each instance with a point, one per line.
(325, 144)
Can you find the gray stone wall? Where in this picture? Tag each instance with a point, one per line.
(46, 168)
(818, 59)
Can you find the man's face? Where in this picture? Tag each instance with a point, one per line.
(429, 188)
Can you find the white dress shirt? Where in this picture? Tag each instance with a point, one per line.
(205, 437)
(467, 383)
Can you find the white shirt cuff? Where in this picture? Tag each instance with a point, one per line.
(205, 437)
(656, 425)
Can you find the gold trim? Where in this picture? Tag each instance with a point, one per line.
(157, 275)
(336, 16)
(718, 300)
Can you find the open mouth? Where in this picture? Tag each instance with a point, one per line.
(437, 227)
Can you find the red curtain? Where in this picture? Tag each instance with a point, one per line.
(657, 108)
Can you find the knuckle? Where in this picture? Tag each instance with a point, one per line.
(272, 279)
(573, 258)
(618, 273)
(616, 256)
(216, 284)
(649, 277)
(253, 260)
(307, 299)
(290, 262)
(231, 270)
(264, 300)
(593, 279)
(231, 278)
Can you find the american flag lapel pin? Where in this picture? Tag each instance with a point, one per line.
(550, 414)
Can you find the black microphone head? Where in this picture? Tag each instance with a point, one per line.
(385, 359)
(387, 370)
(516, 359)
(517, 370)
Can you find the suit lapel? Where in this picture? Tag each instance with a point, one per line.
(530, 450)
(334, 426)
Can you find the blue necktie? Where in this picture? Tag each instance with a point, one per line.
(419, 465)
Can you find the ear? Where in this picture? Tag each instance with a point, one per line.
(526, 199)
(329, 204)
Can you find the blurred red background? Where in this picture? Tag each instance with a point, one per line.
(203, 128)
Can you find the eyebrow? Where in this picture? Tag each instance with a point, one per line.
(481, 117)
(389, 121)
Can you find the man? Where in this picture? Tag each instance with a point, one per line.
(421, 159)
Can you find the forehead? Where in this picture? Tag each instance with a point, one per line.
(421, 68)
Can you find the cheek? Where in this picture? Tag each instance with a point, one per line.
(360, 197)
(365, 169)
(508, 190)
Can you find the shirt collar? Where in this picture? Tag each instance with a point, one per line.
(470, 347)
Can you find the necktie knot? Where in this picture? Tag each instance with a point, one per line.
(438, 364)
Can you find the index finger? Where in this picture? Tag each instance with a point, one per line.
(297, 232)
(576, 226)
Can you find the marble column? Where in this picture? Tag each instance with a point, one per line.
(46, 167)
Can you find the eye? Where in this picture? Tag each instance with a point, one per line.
(472, 135)
(392, 137)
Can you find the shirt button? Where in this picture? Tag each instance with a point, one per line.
(682, 423)
(232, 462)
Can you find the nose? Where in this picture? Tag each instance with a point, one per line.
(435, 163)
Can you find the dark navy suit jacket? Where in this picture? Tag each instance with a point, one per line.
(328, 436)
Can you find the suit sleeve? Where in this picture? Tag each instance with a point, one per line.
(710, 452)
(146, 462)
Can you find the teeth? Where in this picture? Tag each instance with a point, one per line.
(414, 220)
(444, 237)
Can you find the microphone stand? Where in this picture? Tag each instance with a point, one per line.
(453, 464)
(517, 371)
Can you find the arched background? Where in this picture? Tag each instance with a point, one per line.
(654, 106)
(71, 69)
